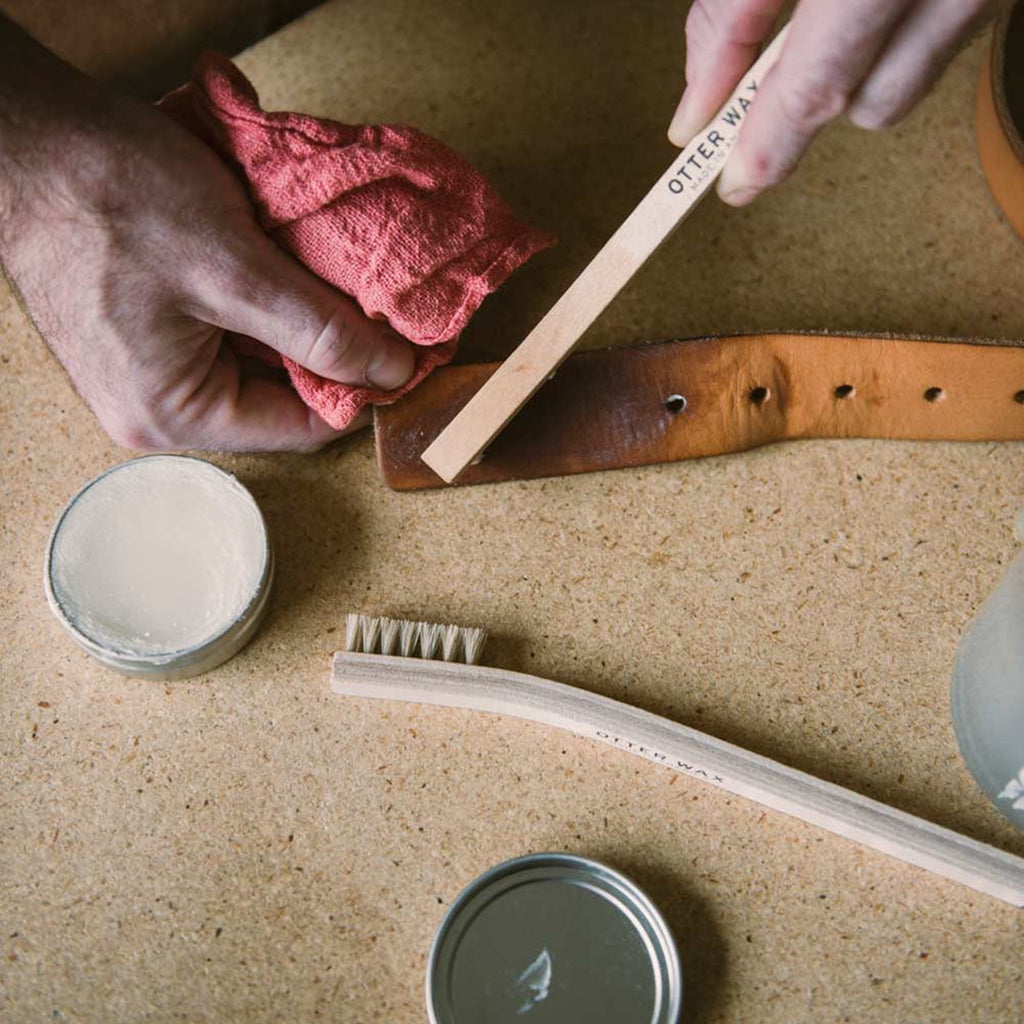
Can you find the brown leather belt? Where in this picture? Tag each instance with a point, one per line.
(1000, 111)
(677, 400)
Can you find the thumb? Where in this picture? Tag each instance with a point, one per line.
(268, 295)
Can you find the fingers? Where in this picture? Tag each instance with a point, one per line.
(829, 51)
(260, 416)
(915, 56)
(230, 411)
(265, 416)
(873, 59)
(722, 41)
(262, 292)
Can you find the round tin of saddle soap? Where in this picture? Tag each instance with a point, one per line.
(160, 567)
(553, 939)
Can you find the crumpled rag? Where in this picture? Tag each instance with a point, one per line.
(388, 215)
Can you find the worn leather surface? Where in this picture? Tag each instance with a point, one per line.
(1000, 115)
(619, 407)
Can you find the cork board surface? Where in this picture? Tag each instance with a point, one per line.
(243, 846)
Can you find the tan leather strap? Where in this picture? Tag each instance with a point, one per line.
(709, 396)
(999, 113)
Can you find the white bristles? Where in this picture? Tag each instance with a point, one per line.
(388, 635)
(473, 640)
(408, 634)
(370, 634)
(353, 632)
(450, 643)
(371, 630)
(430, 639)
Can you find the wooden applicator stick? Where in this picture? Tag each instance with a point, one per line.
(659, 213)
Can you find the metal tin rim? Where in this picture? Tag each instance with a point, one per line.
(657, 934)
(188, 661)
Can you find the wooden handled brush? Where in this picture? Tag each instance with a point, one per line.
(673, 196)
(395, 660)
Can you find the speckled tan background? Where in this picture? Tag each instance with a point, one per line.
(245, 847)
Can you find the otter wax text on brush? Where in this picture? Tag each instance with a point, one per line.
(160, 567)
(361, 672)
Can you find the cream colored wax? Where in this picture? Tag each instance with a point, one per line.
(160, 555)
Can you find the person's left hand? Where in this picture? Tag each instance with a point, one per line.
(137, 253)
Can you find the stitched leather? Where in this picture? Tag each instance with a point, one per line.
(611, 409)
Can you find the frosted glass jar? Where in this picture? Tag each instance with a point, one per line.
(988, 692)
(160, 567)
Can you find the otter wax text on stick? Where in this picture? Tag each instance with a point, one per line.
(668, 203)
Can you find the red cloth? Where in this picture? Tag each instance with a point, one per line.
(385, 213)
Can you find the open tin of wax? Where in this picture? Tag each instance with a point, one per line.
(549, 938)
(160, 567)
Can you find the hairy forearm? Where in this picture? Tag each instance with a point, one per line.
(51, 121)
(37, 92)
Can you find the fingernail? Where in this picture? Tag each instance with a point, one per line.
(392, 364)
(738, 196)
(686, 121)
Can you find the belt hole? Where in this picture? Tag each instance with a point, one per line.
(675, 403)
(934, 395)
(1019, 397)
(760, 395)
(845, 391)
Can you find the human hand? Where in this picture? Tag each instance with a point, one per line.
(870, 59)
(135, 250)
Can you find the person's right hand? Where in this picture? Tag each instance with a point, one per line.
(870, 59)
(135, 249)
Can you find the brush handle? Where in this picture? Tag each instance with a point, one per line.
(658, 214)
(692, 753)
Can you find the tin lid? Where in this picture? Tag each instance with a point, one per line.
(550, 938)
